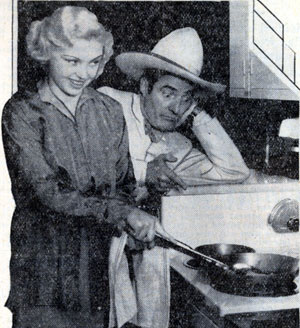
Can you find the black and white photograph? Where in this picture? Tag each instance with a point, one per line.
(149, 162)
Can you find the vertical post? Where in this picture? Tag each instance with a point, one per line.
(267, 152)
(12, 49)
(253, 40)
(282, 48)
(295, 68)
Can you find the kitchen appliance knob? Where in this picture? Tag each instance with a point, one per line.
(284, 217)
(293, 224)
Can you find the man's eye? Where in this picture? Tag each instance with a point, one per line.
(187, 98)
(167, 93)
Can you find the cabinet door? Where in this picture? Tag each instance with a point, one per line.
(266, 83)
(261, 65)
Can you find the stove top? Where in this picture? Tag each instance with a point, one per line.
(227, 304)
(257, 291)
(247, 288)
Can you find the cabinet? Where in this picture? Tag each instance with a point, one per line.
(259, 71)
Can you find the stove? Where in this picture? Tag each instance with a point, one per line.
(233, 214)
(222, 307)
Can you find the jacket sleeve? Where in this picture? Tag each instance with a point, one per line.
(30, 171)
(222, 162)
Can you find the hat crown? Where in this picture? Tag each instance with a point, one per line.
(182, 46)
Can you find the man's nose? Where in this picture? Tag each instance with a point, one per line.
(176, 106)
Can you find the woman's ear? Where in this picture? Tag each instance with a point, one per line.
(144, 86)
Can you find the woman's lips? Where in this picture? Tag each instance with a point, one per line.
(77, 83)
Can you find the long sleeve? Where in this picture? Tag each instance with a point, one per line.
(222, 163)
(35, 176)
(67, 179)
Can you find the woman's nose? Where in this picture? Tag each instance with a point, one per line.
(82, 72)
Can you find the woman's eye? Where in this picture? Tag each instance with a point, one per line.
(71, 61)
(95, 63)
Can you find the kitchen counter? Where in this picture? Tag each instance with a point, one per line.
(228, 304)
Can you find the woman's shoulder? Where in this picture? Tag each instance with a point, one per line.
(111, 105)
(19, 102)
(21, 96)
(123, 97)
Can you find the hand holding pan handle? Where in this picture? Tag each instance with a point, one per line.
(240, 268)
(186, 249)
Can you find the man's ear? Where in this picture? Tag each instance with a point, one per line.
(144, 86)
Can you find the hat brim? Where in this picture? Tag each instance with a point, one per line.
(133, 64)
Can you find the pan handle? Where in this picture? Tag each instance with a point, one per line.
(187, 249)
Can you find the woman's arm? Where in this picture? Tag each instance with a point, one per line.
(33, 178)
(29, 170)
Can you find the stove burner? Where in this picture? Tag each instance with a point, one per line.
(257, 290)
(248, 288)
(193, 264)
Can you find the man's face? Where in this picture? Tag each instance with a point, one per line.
(167, 102)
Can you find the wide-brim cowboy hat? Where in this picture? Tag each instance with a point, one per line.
(180, 53)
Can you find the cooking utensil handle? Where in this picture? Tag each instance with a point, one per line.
(187, 249)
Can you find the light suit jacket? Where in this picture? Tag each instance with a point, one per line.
(221, 163)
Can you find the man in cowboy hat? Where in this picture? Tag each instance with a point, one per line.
(169, 79)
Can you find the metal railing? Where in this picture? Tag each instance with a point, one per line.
(268, 37)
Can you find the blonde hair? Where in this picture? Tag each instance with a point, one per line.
(65, 26)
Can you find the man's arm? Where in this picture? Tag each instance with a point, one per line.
(222, 163)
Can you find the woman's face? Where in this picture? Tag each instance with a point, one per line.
(73, 68)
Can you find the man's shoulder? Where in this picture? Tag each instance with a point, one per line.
(123, 97)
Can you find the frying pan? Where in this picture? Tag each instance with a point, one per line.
(218, 251)
(265, 274)
(270, 274)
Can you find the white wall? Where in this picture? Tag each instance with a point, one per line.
(6, 201)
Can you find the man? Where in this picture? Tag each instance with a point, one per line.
(169, 85)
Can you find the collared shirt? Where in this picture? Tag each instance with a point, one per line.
(221, 163)
(67, 172)
(47, 141)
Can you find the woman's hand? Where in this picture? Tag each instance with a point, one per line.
(141, 226)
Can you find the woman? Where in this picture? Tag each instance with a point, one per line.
(67, 153)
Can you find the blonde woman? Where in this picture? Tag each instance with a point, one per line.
(67, 153)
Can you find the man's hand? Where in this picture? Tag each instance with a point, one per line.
(141, 226)
(160, 176)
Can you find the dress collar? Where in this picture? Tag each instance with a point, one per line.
(47, 96)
